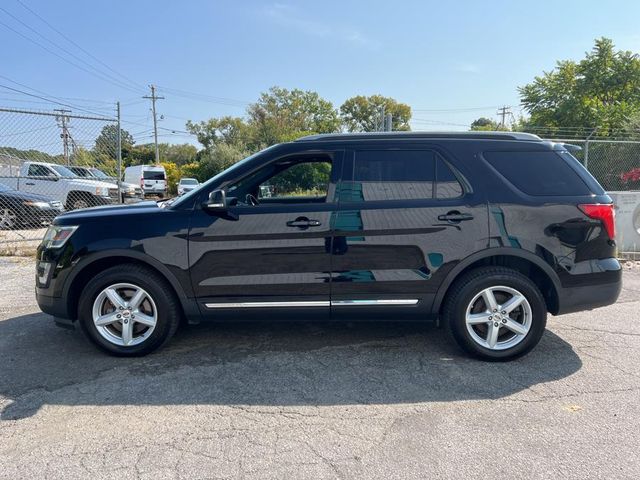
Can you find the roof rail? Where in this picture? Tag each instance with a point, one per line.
(421, 135)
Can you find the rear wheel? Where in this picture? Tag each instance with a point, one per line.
(495, 313)
(8, 219)
(126, 311)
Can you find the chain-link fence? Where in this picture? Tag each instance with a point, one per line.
(614, 163)
(55, 161)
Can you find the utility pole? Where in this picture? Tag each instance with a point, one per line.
(63, 122)
(380, 119)
(119, 154)
(503, 112)
(153, 99)
(388, 122)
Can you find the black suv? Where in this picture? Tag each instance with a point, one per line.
(483, 232)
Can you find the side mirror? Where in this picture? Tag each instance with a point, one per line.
(217, 201)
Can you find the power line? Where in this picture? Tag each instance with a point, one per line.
(99, 72)
(204, 97)
(86, 52)
(44, 98)
(47, 49)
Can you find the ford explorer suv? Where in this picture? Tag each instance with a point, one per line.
(484, 233)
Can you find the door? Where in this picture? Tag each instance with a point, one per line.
(42, 180)
(406, 217)
(271, 251)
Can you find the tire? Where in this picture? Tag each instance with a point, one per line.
(158, 312)
(79, 200)
(8, 219)
(495, 335)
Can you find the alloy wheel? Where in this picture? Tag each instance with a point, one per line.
(7, 219)
(498, 318)
(124, 314)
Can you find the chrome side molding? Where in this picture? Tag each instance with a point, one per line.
(333, 303)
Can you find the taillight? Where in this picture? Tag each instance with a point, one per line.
(603, 212)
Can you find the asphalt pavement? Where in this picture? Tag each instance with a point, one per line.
(310, 401)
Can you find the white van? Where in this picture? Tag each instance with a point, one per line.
(151, 178)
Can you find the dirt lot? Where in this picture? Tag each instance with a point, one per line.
(317, 401)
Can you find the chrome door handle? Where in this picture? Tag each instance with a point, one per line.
(455, 217)
(303, 223)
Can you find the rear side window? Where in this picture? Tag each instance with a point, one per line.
(402, 175)
(153, 175)
(538, 173)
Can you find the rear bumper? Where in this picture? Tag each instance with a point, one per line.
(603, 288)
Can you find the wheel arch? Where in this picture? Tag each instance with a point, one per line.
(522, 261)
(100, 261)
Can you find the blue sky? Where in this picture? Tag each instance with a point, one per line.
(442, 58)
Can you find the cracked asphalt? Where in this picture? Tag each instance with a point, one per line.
(384, 400)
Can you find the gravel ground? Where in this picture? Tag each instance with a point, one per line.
(318, 401)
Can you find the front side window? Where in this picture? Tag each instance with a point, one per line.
(307, 179)
(303, 179)
(39, 171)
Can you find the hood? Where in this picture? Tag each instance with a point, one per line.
(94, 214)
(92, 183)
(15, 194)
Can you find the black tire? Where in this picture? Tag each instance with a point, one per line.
(167, 305)
(471, 284)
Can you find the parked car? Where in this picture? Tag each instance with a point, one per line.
(186, 185)
(151, 178)
(129, 191)
(482, 232)
(59, 183)
(20, 210)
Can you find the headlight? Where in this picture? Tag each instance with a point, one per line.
(37, 204)
(57, 236)
(102, 192)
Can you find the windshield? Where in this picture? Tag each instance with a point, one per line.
(81, 172)
(63, 171)
(195, 192)
(98, 173)
(188, 181)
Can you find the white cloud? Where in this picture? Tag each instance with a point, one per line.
(290, 17)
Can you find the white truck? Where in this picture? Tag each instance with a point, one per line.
(59, 183)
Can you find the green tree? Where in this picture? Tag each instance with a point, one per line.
(602, 90)
(282, 115)
(215, 131)
(362, 114)
(178, 154)
(107, 142)
(484, 124)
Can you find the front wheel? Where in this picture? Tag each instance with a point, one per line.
(126, 310)
(495, 313)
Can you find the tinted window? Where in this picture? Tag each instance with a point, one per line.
(447, 185)
(538, 173)
(394, 174)
(153, 175)
(39, 171)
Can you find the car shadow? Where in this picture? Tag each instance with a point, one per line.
(269, 364)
